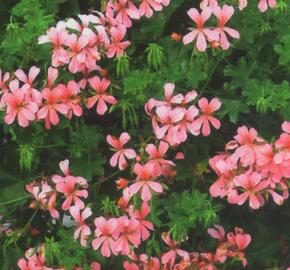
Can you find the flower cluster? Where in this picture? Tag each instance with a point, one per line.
(231, 245)
(34, 259)
(174, 117)
(252, 168)
(22, 101)
(45, 193)
(216, 36)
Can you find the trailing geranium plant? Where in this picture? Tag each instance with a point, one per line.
(133, 231)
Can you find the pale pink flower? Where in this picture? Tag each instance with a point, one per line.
(129, 234)
(70, 97)
(106, 233)
(283, 145)
(70, 187)
(121, 152)
(208, 3)
(58, 37)
(17, 106)
(140, 216)
(286, 127)
(83, 229)
(200, 34)
(77, 53)
(147, 6)
(32, 93)
(169, 119)
(217, 232)
(207, 109)
(169, 98)
(117, 46)
(252, 185)
(144, 182)
(264, 4)
(170, 256)
(223, 15)
(157, 154)
(126, 11)
(101, 98)
(4, 89)
(52, 105)
(247, 146)
(242, 4)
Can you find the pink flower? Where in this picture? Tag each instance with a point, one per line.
(170, 256)
(129, 234)
(3, 87)
(286, 127)
(83, 229)
(52, 105)
(145, 182)
(223, 15)
(69, 187)
(252, 184)
(264, 4)
(242, 4)
(248, 145)
(201, 33)
(106, 232)
(157, 154)
(32, 93)
(101, 98)
(169, 119)
(77, 53)
(95, 266)
(147, 6)
(126, 11)
(121, 152)
(218, 232)
(71, 99)
(140, 216)
(207, 108)
(169, 98)
(18, 107)
(117, 47)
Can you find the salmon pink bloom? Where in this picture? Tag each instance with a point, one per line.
(140, 216)
(83, 229)
(168, 93)
(208, 3)
(201, 33)
(121, 152)
(283, 145)
(3, 87)
(157, 154)
(106, 233)
(286, 127)
(223, 15)
(207, 109)
(101, 98)
(144, 182)
(217, 232)
(126, 11)
(147, 6)
(32, 93)
(170, 256)
(117, 46)
(253, 184)
(77, 53)
(95, 266)
(69, 186)
(169, 118)
(58, 37)
(129, 234)
(70, 97)
(240, 241)
(264, 4)
(247, 146)
(18, 107)
(52, 105)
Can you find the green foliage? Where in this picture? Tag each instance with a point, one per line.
(187, 210)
